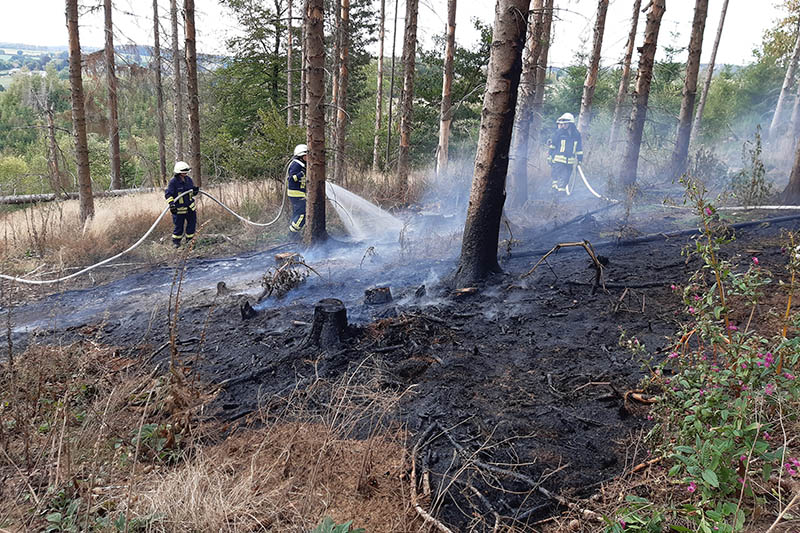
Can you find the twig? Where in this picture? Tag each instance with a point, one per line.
(427, 517)
(590, 384)
(785, 510)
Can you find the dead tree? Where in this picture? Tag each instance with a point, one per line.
(537, 113)
(446, 113)
(162, 149)
(86, 200)
(315, 132)
(113, 117)
(589, 85)
(698, 117)
(481, 231)
(289, 88)
(518, 166)
(178, 108)
(341, 103)
(56, 181)
(191, 93)
(622, 93)
(407, 96)
(788, 83)
(630, 159)
(681, 151)
(379, 92)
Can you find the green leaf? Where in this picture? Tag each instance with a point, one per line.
(54, 517)
(681, 529)
(684, 449)
(711, 478)
(631, 498)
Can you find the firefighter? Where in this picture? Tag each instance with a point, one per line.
(296, 190)
(183, 209)
(566, 150)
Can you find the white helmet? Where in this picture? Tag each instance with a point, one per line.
(566, 118)
(181, 167)
(300, 150)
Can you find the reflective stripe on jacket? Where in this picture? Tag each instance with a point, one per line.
(566, 146)
(296, 179)
(176, 186)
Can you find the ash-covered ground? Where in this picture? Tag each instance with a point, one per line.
(526, 374)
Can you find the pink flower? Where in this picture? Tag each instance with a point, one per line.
(767, 436)
(742, 458)
(623, 523)
(702, 392)
(769, 389)
(790, 470)
(673, 287)
(741, 480)
(744, 366)
(708, 211)
(733, 328)
(693, 486)
(691, 310)
(788, 376)
(755, 260)
(696, 298)
(673, 355)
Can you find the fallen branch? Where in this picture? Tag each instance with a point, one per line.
(646, 464)
(785, 510)
(426, 517)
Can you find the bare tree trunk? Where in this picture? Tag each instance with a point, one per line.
(162, 149)
(391, 86)
(276, 65)
(537, 113)
(341, 104)
(791, 194)
(113, 117)
(589, 85)
(78, 114)
(518, 171)
(407, 97)
(52, 157)
(191, 88)
(315, 50)
(446, 113)
(795, 124)
(681, 151)
(788, 83)
(481, 232)
(303, 67)
(379, 97)
(622, 93)
(337, 42)
(698, 117)
(289, 88)
(630, 159)
(178, 108)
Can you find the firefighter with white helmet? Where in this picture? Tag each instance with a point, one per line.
(183, 208)
(296, 190)
(566, 151)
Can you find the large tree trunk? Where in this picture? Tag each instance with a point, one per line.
(681, 151)
(162, 149)
(698, 117)
(391, 87)
(379, 96)
(303, 66)
(537, 113)
(589, 85)
(341, 104)
(482, 228)
(622, 92)
(78, 114)
(315, 132)
(113, 117)
(276, 52)
(630, 159)
(337, 43)
(518, 166)
(446, 113)
(289, 66)
(192, 93)
(788, 83)
(791, 194)
(178, 108)
(407, 98)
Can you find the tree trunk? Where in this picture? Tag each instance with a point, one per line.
(788, 83)
(589, 85)
(276, 65)
(482, 228)
(303, 67)
(289, 88)
(622, 93)
(337, 42)
(191, 88)
(379, 97)
(795, 124)
(698, 117)
(518, 171)
(537, 113)
(446, 113)
(341, 103)
(791, 194)
(407, 97)
(178, 108)
(78, 114)
(681, 151)
(630, 159)
(162, 149)
(113, 117)
(391, 86)
(315, 132)
(52, 160)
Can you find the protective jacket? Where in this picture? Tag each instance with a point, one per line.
(177, 186)
(296, 179)
(566, 146)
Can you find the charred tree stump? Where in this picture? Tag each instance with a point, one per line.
(329, 325)
(377, 295)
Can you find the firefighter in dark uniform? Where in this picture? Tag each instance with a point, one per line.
(183, 209)
(296, 190)
(566, 150)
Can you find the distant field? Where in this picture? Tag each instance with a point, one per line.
(5, 80)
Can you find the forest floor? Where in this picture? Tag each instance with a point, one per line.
(520, 385)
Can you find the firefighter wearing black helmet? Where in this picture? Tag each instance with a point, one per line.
(566, 151)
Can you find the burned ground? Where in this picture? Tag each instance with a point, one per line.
(523, 374)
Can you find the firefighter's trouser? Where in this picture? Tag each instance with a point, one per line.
(185, 224)
(561, 172)
(298, 214)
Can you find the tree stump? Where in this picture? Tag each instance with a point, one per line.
(377, 295)
(329, 325)
(247, 310)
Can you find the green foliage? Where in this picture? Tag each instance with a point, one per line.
(329, 526)
(749, 185)
(158, 442)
